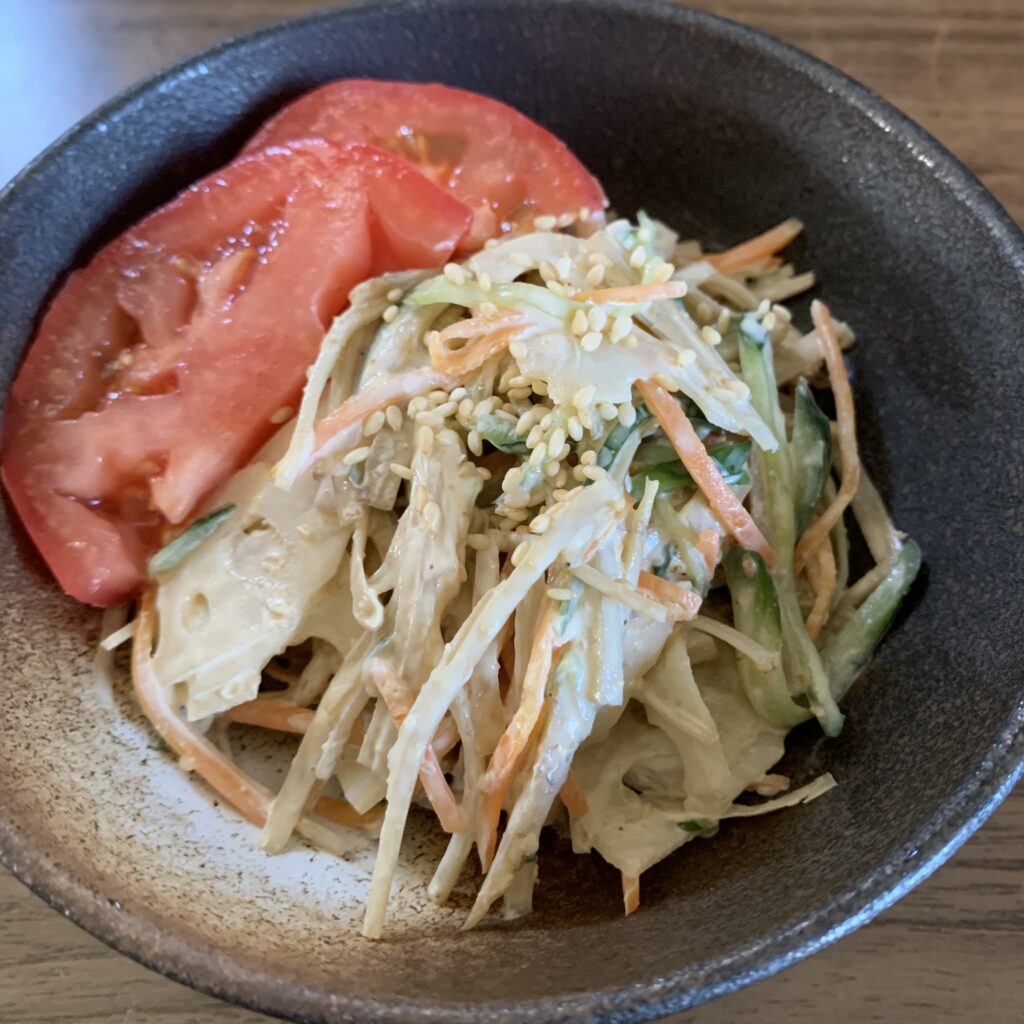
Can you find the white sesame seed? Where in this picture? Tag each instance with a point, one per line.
(722, 394)
(566, 219)
(710, 336)
(525, 422)
(593, 472)
(630, 341)
(597, 318)
(643, 235)
(519, 381)
(638, 257)
(484, 280)
(438, 396)
(584, 396)
(429, 418)
(395, 295)
(488, 309)
(560, 593)
(546, 420)
(547, 271)
(520, 552)
(448, 437)
(588, 458)
(770, 321)
(517, 349)
(579, 323)
(478, 541)
(591, 341)
(586, 418)
(432, 516)
(374, 423)
(621, 326)
(540, 388)
(762, 308)
(607, 411)
(522, 259)
(626, 414)
(545, 223)
(557, 288)
(666, 382)
(595, 275)
(425, 440)
(559, 494)
(662, 273)
(399, 470)
(282, 415)
(455, 273)
(577, 473)
(475, 443)
(540, 523)
(722, 323)
(686, 357)
(575, 428)
(356, 455)
(564, 267)
(556, 440)
(539, 454)
(738, 388)
(483, 473)
(519, 394)
(513, 478)
(394, 417)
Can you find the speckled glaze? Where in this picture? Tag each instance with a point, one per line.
(720, 131)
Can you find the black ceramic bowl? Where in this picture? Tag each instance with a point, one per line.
(720, 131)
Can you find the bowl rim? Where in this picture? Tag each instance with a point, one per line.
(951, 825)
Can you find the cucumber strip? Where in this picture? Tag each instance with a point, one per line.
(501, 433)
(802, 660)
(671, 476)
(811, 449)
(755, 609)
(172, 554)
(847, 653)
(619, 435)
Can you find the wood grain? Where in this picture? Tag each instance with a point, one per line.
(952, 951)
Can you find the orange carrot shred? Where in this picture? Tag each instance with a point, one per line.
(756, 249)
(572, 796)
(670, 594)
(822, 574)
(630, 294)
(728, 509)
(817, 533)
(507, 755)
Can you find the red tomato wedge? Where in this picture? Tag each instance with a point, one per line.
(504, 166)
(159, 367)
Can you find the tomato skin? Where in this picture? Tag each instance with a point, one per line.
(505, 167)
(158, 368)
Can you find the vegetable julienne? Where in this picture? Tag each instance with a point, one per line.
(555, 537)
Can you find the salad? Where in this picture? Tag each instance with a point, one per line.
(513, 513)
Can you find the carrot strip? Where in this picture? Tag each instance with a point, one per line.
(435, 785)
(572, 796)
(473, 355)
(271, 714)
(757, 248)
(817, 532)
(822, 574)
(728, 509)
(630, 892)
(343, 427)
(501, 769)
(687, 602)
(246, 795)
(709, 544)
(634, 293)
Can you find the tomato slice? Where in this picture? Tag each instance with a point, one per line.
(504, 166)
(159, 367)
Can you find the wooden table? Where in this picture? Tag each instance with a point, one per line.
(951, 951)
